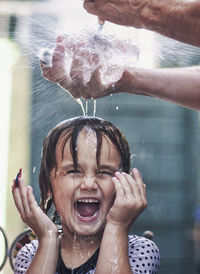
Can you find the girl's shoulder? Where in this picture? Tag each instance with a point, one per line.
(143, 254)
(25, 256)
(29, 249)
(134, 240)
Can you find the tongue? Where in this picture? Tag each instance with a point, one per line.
(87, 209)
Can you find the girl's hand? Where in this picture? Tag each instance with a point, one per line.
(31, 213)
(130, 199)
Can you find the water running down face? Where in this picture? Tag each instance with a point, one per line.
(83, 196)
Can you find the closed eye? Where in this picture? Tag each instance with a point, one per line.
(73, 171)
(105, 172)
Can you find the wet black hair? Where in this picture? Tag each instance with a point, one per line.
(70, 130)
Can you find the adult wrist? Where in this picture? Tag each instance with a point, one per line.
(128, 81)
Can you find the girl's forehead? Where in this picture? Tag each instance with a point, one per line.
(85, 134)
(86, 137)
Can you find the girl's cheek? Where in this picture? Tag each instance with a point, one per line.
(62, 205)
(108, 185)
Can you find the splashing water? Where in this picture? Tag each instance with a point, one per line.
(95, 50)
(34, 169)
(86, 109)
(91, 51)
(82, 107)
(108, 52)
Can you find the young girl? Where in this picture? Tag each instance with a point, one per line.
(85, 173)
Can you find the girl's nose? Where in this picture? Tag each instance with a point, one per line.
(88, 183)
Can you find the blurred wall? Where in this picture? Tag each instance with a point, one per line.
(15, 140)
(164, 140)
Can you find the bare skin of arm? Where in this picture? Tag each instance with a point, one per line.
(130, 201)
(176, 19)
(45, 260)
(177, 85)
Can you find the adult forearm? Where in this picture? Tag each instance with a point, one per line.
(180, 86)
(46, 257)
(178, 19)
(113, 256)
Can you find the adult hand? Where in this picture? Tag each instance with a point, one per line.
(56, 72)
(130, 199)
(31, 213)
(122, 12)
(72, 80)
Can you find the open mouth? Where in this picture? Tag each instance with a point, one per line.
(87, 209)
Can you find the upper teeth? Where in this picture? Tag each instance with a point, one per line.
(88, 201)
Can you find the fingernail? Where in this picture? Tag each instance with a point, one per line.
(114, 179)
(136, 171)
(19, 174)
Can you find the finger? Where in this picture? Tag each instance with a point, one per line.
(89, 6)
(124, 184)
(85, 92)
(97, 88)
(58, 72)
(60, 38)
(46, 71)
(131, 183)
(141, 186)
(76, 73)
(23, 194)
(70, 44)
(58, 56)
(95, 84)
(131, 189)
(74, 92)
(118, 188)
(31, 199)
(17, 197)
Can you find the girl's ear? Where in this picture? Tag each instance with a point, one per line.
(53, 174)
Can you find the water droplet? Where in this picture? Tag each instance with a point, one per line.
(34, 169)
(95, 107)
(81, 104)
(132, 156)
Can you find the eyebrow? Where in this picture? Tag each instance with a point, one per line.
(112, 168)
(65, 166)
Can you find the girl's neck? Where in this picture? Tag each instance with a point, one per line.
(76, 250)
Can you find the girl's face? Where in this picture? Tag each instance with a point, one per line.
(84, 196)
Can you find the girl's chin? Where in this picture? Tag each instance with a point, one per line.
(89, 229)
